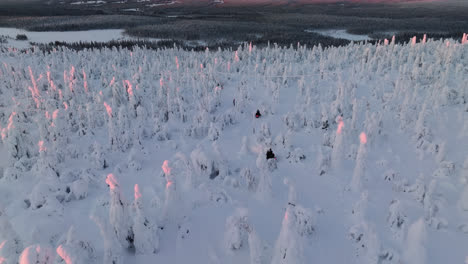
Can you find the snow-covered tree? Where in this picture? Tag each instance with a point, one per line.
(17, 137)
(75, 250)
(359, 169)
(415, 245)
(237, 227)
(98, 156)
(171, 194)
(39, 254)
(119, 218)
(338, 147)
(213, 132)
(324, 159)
(10, 243)
(145, 230)
(396, 219)
(113, 250)
(298, 223)
(240, 232)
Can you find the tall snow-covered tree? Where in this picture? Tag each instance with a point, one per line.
(144, 228)
(39, 254)
(415, 249)
(10, 243)
(119, 218)
(297, 225)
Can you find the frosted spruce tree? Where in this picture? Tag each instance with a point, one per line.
(298, 224)
(237, 227)
(397, 219)
(112, 247)
(74, 250)
(171, 195)
(415, 249)
(38, 254)
(338, 147)
(145, 230)
(119, 218)
(10, 243)
(240, 232)
(17, 139)
(359, 169)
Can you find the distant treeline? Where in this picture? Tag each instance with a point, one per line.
(284, 24)
(323, 41)
(114, 44)
(76, 23)
(227, 27)
(234, 26)
(40, 8)
(188, 45)
(405, 36)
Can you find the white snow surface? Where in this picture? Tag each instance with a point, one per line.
(87, 2)
(371, 145)
(131, 10)
(99, 35)
(341, 34)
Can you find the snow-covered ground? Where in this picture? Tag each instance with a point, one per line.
(131, 10)
(87, 2)
(156, 157)
(100, 35)
(340, 33)
(163, 4)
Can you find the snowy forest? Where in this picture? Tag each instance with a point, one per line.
(121, 156)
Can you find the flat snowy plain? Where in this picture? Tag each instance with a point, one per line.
(101, 35)
(142, 156)
(341, 33)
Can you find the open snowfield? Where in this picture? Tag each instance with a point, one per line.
(341, 34)
(156, 157)
(100, 35)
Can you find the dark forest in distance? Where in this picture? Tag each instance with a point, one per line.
(225, 26)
